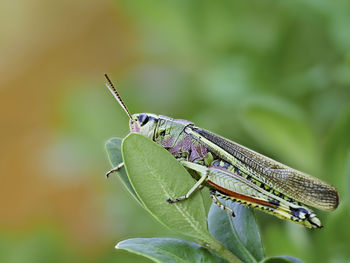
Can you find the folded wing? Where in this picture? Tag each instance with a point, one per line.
(302, 187)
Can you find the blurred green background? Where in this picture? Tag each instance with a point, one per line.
(271, 75)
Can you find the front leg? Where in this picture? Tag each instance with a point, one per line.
(115, 169)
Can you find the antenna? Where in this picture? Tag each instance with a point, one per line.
(116, 95)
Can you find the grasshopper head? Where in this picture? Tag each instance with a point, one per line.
(161, 129)
(144, 123)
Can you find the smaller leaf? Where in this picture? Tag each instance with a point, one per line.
(113, 148)
(156, 176)
(239, 234)
(282, 259)
(169, 250)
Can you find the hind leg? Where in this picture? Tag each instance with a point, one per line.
(216, 200)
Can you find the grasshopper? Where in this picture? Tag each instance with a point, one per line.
(234, 172)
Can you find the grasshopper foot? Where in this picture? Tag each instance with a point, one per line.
(171, 201)
(109, 173)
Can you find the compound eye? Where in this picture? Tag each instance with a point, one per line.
(143, 118)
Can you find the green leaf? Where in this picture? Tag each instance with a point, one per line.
(113, 148)
(156, 176)
(239, 234)
(169, 250)
(282, 259)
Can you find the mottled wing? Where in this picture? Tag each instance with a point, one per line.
(302, 187)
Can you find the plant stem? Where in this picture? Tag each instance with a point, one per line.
(223, 252)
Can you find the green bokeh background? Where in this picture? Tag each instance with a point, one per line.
(271, 75)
